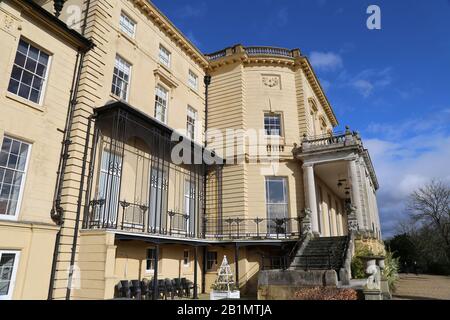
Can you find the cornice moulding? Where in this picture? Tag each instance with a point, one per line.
(173, 32)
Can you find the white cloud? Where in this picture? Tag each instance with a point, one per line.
(326, 61)
(192, 11)
(368, 80)
(406, 160)
(365, 87)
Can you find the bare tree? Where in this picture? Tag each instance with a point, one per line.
(430, 207)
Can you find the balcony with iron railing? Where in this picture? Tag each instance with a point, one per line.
(136, 219)
(254, 51)
(134, 186)
(254, 228)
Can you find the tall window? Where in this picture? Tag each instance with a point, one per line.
(150, 261)
(121, 78)
(211, 260)
(189, 204)
(8, 269)
(158, 199)
(108, 190)
(29, 72)
(193, 80)
(164, 56)
(186, 258)
(13, 163)
(161, 99)
(272, 124)
(276, 203)
(191, 122)
(127, 25)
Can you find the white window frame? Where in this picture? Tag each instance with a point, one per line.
(162, 58)
(124, 28)
(164, 89)
(127, 93)
(44, 80)
(285, 181)
(273, 114)
(186, 265)
(193, 114)
(13, 275)
(147, 259)
(23, 182)
(193, 80)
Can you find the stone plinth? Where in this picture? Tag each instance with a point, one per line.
(282, 285)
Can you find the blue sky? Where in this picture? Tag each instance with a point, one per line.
(392, 85)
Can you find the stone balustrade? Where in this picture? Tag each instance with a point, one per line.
(254, 51)
(335, 140)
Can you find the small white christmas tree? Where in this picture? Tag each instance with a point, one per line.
(224, 281)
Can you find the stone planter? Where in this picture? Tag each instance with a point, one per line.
(224, 295)
(369, 262)
(381, 262)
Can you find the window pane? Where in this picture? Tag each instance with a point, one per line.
(43, 58)
(121, 78)
(27, 72)
(40, 70)
(164, 56)
(6, 271)
(24, 91)
(13, 86)
(127, 25)
(275, 191)
(33, 53)
(16, 73)
(31, 65)
(13, 158)
(20, 59)
(272, 124)
(34, 96)
(23, 47)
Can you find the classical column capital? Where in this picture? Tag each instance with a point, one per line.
(308, 165)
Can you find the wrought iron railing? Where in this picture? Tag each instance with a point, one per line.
(257, 228)
(138, 218)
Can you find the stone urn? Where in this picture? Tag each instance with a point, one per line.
(381, 262)
(369, 263)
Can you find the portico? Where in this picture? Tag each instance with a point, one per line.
(339, 181)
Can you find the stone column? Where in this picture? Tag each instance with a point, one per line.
(356, 194)
(310, 193)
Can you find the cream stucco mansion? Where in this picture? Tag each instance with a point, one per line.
(90, 193)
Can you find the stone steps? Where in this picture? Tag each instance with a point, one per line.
(322, 254)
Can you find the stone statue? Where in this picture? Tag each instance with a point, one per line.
(374, 280)
(306, 222)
